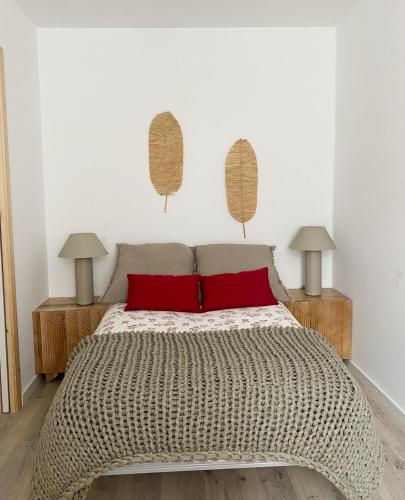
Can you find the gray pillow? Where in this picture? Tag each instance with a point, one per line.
(234, 258)
(149, 258)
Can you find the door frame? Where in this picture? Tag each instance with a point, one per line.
(7, 254)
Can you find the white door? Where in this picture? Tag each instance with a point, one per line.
(3, 352)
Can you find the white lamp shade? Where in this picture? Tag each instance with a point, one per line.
(82, 246)
(312, 238)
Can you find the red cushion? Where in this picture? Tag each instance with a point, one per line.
(245, 289)
(163, 293)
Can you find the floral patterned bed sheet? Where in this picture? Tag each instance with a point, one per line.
(117, 320)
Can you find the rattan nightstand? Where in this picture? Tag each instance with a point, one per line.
(59, 325)
(330, 314)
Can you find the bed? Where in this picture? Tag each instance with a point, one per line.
(158, 391)
(116, 320)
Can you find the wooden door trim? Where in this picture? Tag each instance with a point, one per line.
(7, 254)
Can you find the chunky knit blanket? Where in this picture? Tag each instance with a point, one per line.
(258, 394)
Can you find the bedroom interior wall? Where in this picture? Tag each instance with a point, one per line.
(369, 187)
(18, 39)
(100, 88)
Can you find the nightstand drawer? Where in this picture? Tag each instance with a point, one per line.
(81, 323)
(50, 342)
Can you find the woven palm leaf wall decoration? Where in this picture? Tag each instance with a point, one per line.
(241, 182)
(165, 154)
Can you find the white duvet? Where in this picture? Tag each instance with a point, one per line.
(117, 320)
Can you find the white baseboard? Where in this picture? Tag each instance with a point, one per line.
(31, 388)
(383, 393)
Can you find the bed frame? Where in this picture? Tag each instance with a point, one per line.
(149, 468)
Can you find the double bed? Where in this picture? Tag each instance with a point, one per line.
(158, 391)
(116, 320)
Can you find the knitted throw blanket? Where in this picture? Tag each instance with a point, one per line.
(259, 394)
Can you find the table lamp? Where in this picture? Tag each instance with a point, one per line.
(83, 247)
(312, 240)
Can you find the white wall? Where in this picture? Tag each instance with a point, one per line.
(370, 187)
(100, 89)
(18, 38)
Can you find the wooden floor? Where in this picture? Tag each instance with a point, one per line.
(19, 434)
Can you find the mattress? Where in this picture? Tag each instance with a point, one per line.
(117, 320)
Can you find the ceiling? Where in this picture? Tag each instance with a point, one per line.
(185, 13)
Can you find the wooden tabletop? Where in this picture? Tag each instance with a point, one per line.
(298, 294)
(67, 303)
